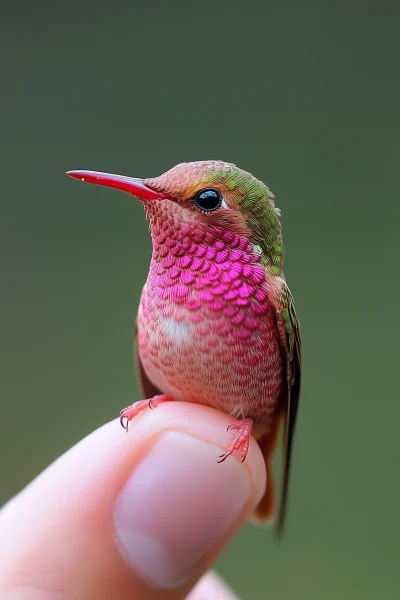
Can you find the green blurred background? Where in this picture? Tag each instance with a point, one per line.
(306, 96)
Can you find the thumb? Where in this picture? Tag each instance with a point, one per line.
(140, 515)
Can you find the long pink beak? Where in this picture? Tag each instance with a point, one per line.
(133, 186)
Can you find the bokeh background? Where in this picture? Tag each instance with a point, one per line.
(306, 96)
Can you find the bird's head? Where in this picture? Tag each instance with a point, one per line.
(207, 194)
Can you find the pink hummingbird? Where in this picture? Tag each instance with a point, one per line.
(216, 322)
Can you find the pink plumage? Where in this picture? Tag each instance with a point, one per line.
(206, 328)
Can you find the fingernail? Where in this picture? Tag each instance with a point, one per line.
(176, 507)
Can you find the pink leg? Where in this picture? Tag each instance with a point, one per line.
(241, 439)
(134, 409)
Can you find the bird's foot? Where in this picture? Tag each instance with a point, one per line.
(134, 409)
(241, 439)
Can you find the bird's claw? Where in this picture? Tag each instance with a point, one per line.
(223, 457)
(130, 412)
(122, 416)
(240, 441)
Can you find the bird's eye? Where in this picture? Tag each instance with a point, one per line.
(208, 199)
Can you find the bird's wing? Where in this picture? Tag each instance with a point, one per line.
(289, 334)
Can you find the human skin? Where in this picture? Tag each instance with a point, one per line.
(141, 515)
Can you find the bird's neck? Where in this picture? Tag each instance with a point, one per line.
(196, 266)
(176, 234)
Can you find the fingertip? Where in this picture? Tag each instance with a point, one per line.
(180, 505)
(209, 425)
(122, 512)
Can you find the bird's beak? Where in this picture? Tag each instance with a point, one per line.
(132, 185)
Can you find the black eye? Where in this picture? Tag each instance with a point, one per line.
(208, 199)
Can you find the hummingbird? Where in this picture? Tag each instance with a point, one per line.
(216, 323)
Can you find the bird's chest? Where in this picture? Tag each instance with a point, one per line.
(206, 334)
